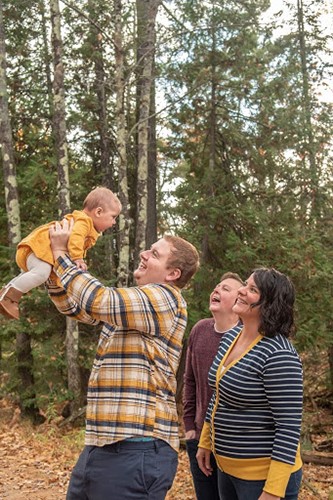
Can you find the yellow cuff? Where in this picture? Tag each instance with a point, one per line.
(204, 441)
(277, 479)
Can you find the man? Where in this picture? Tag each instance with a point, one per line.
(203, 344)
(131, 422)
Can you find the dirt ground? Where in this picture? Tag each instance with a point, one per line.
(35, 463)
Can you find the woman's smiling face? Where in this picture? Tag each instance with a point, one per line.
(248, 295)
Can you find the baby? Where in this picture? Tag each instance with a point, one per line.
(34, 256)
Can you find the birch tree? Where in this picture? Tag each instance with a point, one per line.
(23, 339)
(146, 33)
(122, 138)
(61, 153)
(11, 193)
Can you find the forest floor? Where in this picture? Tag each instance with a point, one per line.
(36, 462)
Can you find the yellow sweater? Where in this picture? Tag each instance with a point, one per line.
(83, 237)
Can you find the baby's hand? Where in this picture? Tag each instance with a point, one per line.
(80, 264)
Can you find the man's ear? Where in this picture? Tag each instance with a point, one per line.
(173, 275)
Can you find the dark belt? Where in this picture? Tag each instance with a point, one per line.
(128, 444)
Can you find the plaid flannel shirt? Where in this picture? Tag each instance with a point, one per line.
(132, 386)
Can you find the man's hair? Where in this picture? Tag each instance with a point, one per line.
(185, 257)
(277, 298)
(233, 276)
(100, 197)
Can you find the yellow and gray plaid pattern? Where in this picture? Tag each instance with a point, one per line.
(132, 384)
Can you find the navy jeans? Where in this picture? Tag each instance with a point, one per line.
(206, 488)
(232, 488)
(125, 470)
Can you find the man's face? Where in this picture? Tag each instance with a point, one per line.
(223, 298)
(153, 264)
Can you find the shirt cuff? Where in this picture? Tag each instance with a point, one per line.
(204, 441)
(278, 478)
(62, 263)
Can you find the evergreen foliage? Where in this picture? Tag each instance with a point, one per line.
(244, 146)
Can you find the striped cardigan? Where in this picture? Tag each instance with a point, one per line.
(132, 385)
(254, 417)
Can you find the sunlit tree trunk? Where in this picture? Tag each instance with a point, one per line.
(121, 138)
(151, 235)
(61, 153)
(23, 340)
(59, 121)
(11, 194)
(146, 26)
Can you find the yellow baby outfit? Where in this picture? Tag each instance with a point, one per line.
(83, 237)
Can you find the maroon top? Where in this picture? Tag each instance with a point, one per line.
(202, 348)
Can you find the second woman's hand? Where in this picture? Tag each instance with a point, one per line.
(267, 496)
(203, 459)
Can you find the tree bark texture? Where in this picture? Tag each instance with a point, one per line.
(47, 57)
(106, 169)
(59, 121)
(23, 341)
(9, 170)
(61, 152)
(73, 369)
(146, 32)
(151, 235)
(121, 138)
(309, 148)
(314, 457)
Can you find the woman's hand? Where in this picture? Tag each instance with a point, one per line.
(203, 459)
(59, 235)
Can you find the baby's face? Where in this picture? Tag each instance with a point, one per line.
(103, 219)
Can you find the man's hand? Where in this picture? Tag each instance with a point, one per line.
(203, 459)
(80, 264)
(190, 434)
(59, 236)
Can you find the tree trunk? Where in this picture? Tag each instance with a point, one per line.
(11, 194)
(106, 170)
(152, 170)
(121, 138)
(73, 368)
(23, 341)
(314, 457)
(59, 121)
(146, 22)
(210, 189)
(61, 153)
(330, 362)
(309, 146)
(27, 382)
(47, 57)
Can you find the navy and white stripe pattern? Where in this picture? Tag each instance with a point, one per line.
(256, 410)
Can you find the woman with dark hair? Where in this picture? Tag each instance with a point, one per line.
(254, 418)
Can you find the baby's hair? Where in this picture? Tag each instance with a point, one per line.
(100, 197)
